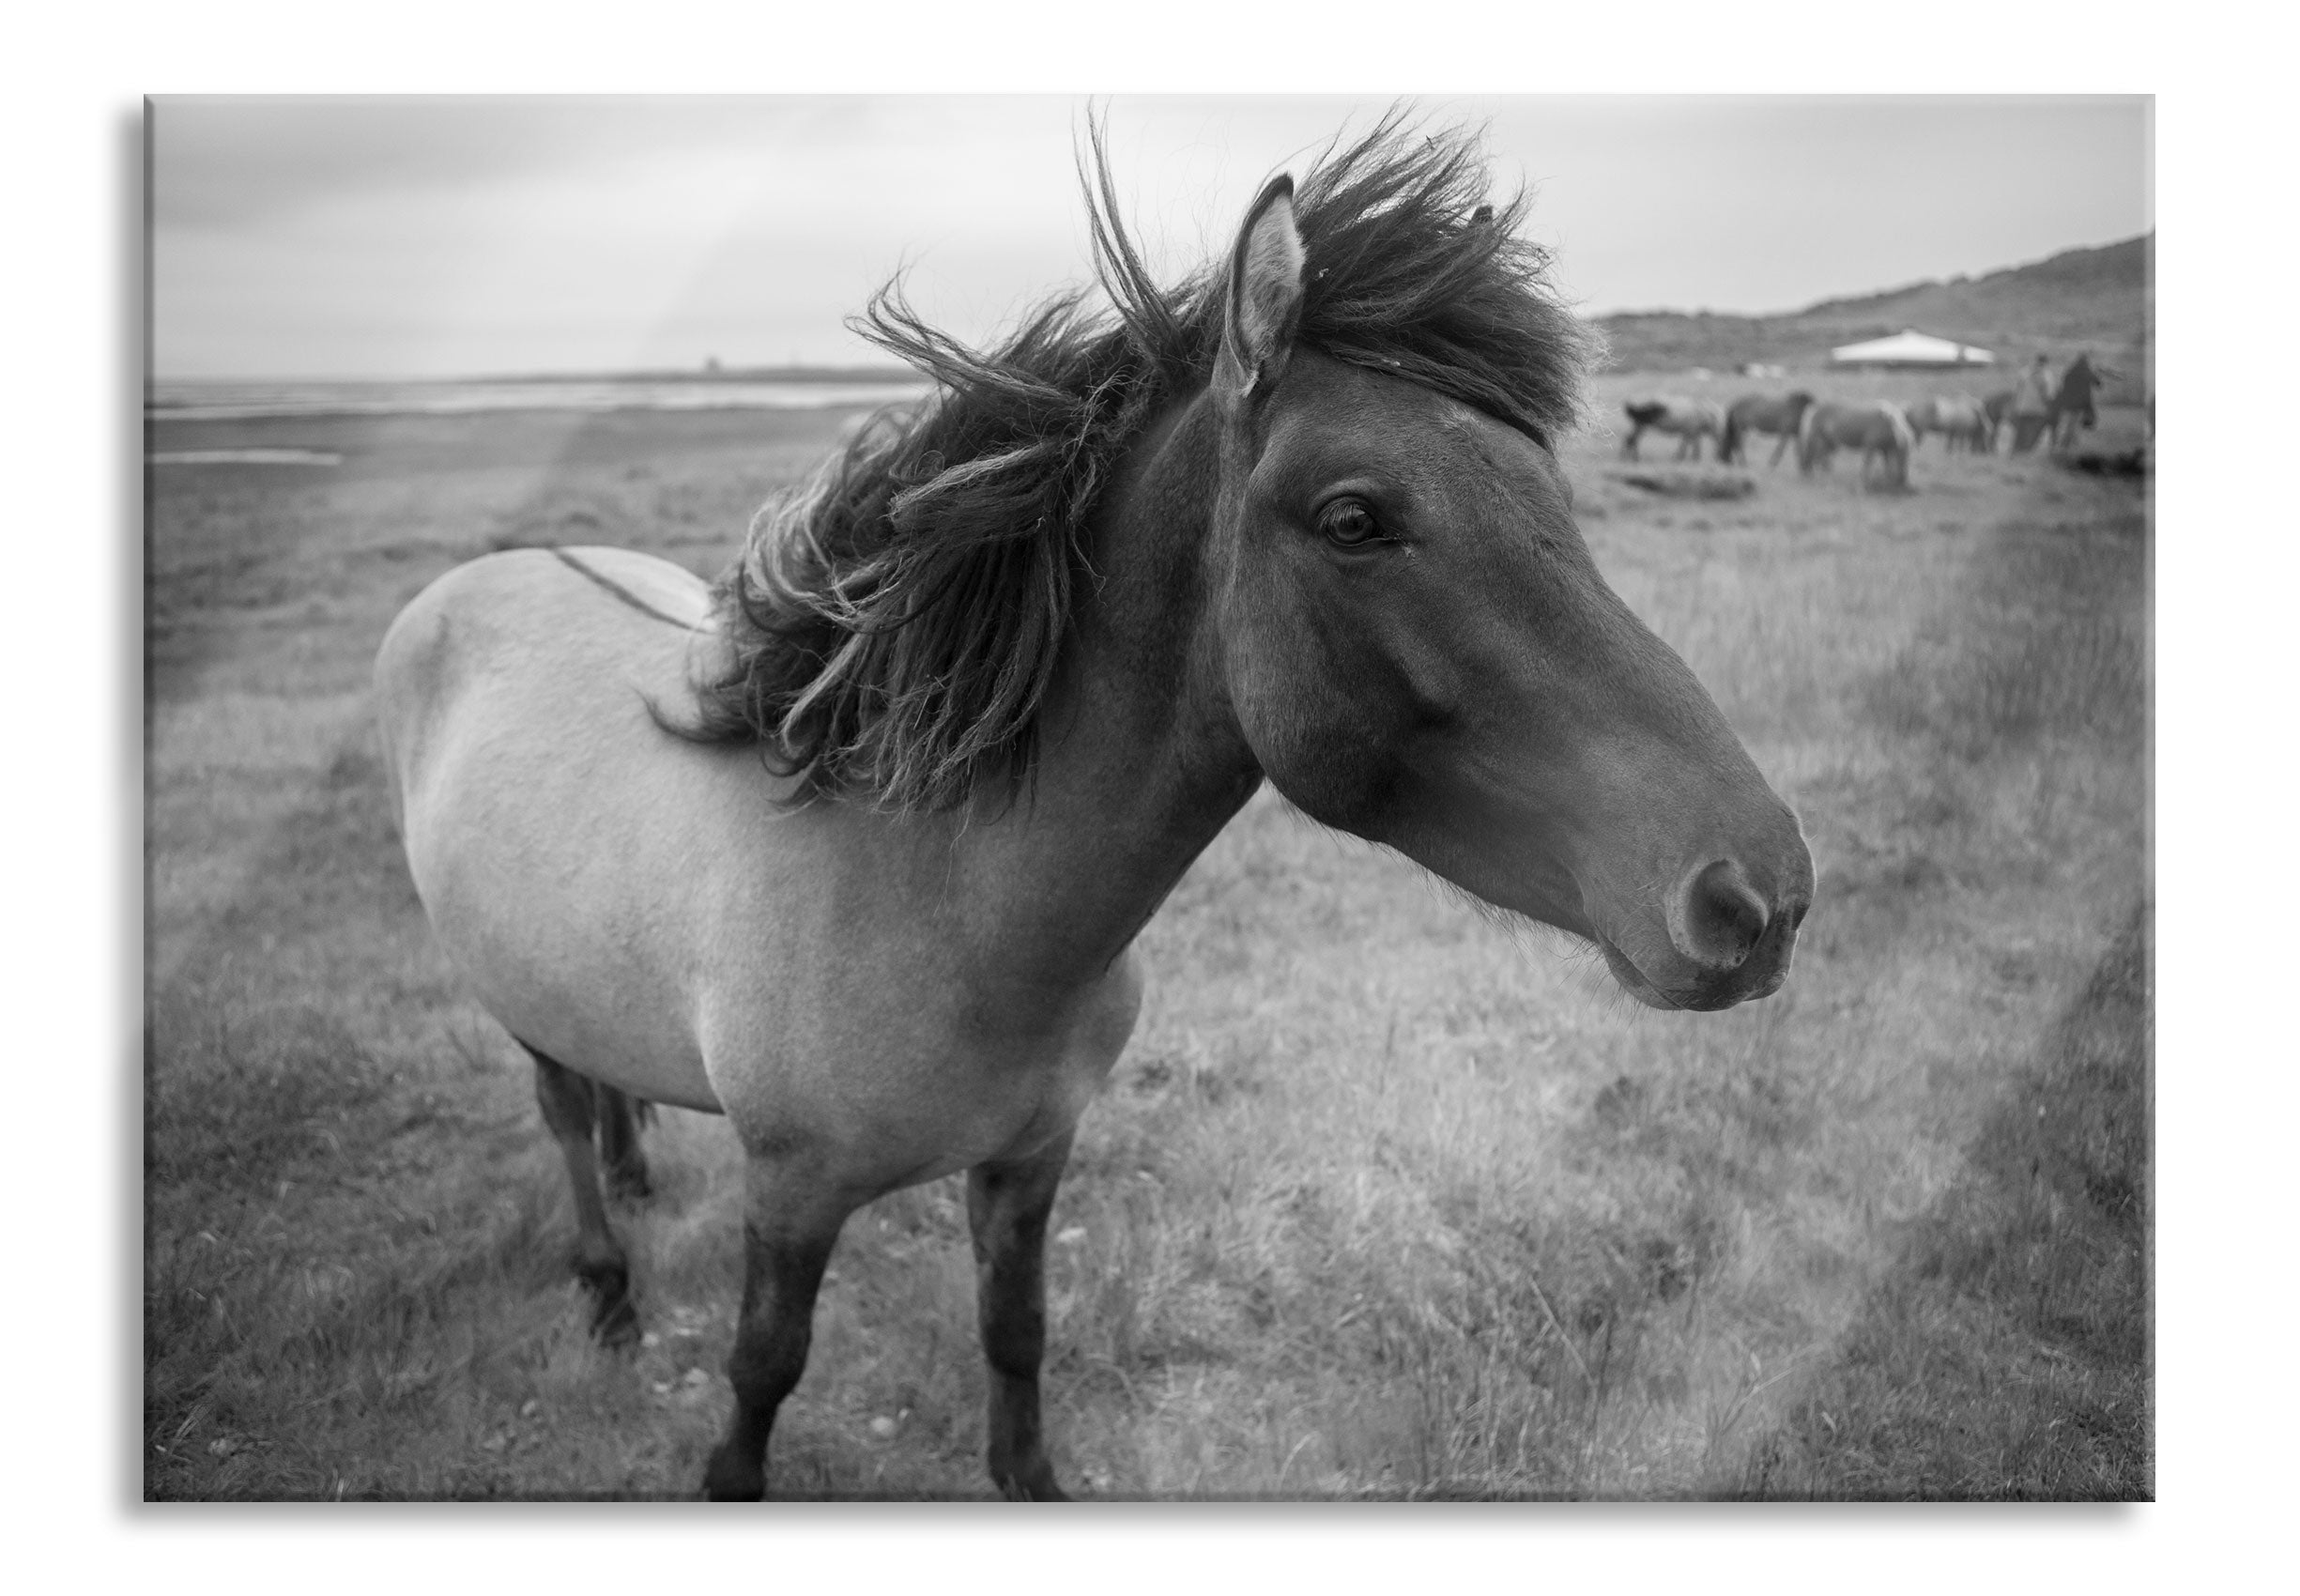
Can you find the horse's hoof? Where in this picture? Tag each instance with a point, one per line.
(615, 1318)
(1035, 1485)
(616, 1325)
(731, 1479)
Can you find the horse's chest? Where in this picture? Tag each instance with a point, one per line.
(938, 1084)
(1014, 1106)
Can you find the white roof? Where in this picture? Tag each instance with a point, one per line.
(1910, 348)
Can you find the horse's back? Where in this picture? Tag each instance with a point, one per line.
(483, 621)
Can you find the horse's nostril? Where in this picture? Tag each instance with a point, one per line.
(1719, 918)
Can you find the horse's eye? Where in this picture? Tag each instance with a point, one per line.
(1348, 523)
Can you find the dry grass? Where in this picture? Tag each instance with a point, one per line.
(1385, 1200)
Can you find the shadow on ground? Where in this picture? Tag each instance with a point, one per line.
(2008, 1355)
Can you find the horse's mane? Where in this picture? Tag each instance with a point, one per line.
(895, 619)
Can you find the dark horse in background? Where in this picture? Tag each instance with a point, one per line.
(2073, 402)
(854, 846)
(1758, 412)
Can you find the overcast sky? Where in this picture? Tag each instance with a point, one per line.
(436, 237)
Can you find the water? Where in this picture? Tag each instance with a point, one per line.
(248, 401)
(242, 457)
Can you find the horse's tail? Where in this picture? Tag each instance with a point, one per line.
(1729, 442)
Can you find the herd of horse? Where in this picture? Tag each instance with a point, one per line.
(1885, 432)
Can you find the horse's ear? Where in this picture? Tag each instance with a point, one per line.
(1263, 306)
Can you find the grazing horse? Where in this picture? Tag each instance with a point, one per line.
(1759, 414)
(1691, 420)
(854, 846)
(1958, 417)
(1879, 429)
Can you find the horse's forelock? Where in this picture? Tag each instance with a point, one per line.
(1411, 268)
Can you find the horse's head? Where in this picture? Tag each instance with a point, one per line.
(1418, 649)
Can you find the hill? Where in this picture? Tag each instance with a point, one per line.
(2096, 299)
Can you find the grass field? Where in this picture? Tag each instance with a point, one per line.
(1383, 1201)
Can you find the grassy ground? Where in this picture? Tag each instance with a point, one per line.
(1383, 1201)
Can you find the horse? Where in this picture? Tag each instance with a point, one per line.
(2072, 407)
(854, 845)
(1880, 429)
(1959, 418)
(2033, 410)
(1997, 407)
(1759, 414)
(1691, 420)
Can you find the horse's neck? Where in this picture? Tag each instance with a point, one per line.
(1140, 761)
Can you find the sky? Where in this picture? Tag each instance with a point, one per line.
(413, 236)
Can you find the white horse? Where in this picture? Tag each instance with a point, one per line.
(1689, 420)
(1959, 418)
(1880, 429)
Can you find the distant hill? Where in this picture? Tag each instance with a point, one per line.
(2097, 298)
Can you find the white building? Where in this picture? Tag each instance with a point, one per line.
(1909, 347)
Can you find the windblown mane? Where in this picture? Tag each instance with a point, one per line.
(895, 619)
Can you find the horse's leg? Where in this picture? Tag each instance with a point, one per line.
(1780, 449)
(1007, 1204)
(788, 1228)
(568, 1109)
(618, 1144)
